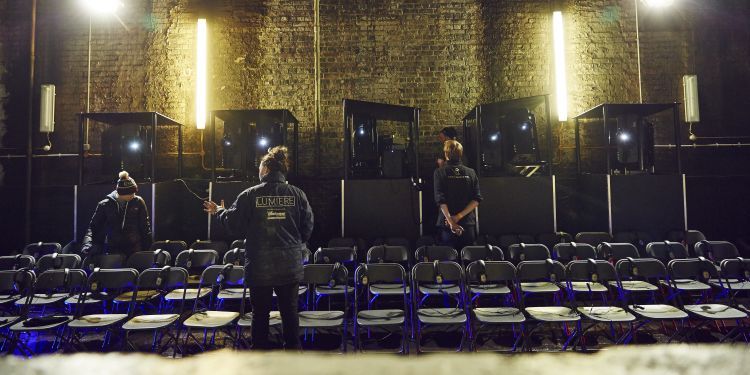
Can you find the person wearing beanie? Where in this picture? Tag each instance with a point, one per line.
(276, 221)
(120, 224)
(447, 133)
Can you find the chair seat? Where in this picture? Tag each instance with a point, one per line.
(388, 317)
(539, 287)
(686, 284)
(715, 311)
(337, 289)
(141, 296)
(211, 319)
(190, 294)
(499, 315)
(321, 319)
(19, 327)
(658, 312)
(636, 286)
(389, 289)
(584, 286)
(274, 319)
(5, 298)
(150, 322)
(6, 321)
(441, 315)
(43, 299)
(553, 314)
(606, 314)
(439, 289)
(734, 284)
(232, 294)
(489, 289)
(74, 300)
(97, 320)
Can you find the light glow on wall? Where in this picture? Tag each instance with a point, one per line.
(200, 79)
(560, 78)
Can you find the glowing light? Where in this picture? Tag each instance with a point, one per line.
(227, 142)
(494, 137)
(102, 6)
(624, 137)
(200, 79)
(658, 3)
(524, 126)
(263, 142)
(361, 131)
(560, 79)
(134, 146)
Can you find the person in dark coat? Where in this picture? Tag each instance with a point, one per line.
(457, 196)
(276, 220)
(120, 224)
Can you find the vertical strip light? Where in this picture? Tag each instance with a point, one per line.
(200, 80)
(560, 79)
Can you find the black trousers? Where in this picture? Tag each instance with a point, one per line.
(261, 298)
(447, 238)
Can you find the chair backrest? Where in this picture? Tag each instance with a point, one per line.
(57, 261)
(506, 240)
(716, 250)
(482, 271)
(591, 270)
(392, 273)
(16, 262)
(325, 274)
(388, 254)
(192, 259)
(392, 241)
(617, 251)
(107, 284)
(105, 261)
(142, 260)
(523, 251)
(330, 255)
(342, 242)
(593, 238)
(237, 244)
(637, 239)
(666, 251)
(223, 274)
(692, 268)
(738, 268)
(172, 247)
(437, 272)
(16, 282)
(540, 270)
(552, 239)
(640, 268)
(486, 253)
(566, 252)
(433, 253)
(164, 279)
(68, 280)
(219, 246)
(39, 249)
(235, 256)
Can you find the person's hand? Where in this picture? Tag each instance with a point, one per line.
(454, 227)
(456, 218)
(211, 207)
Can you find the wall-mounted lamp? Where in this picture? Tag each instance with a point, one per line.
(200, 79)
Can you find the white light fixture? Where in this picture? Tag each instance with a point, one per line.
(263, 142)
(692, 108)
(658, 3)
(102, 6)
(561, 83)
(47, 109)
(200, 79)
(134, 146)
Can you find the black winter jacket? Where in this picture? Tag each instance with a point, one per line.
(456, 185)
(276, 220)
(124, 231)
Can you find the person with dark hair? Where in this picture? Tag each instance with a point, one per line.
(120, 223)
(276, 221)
(457, 196)
(447, 133)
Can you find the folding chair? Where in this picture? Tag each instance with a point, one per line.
(613, 252)
(486, 253)
(507, 240)
(545, 277)
(238, 244)
(593, 238)
(40, 249)
(212, 317)
(164, 281)
(425, 241)
(637, 286)
(637, 239)
(523, 252)
(433, 253)
(219, 246)
(688, 238)
(552, 239)
(444, 279)
(103, 286)
(143, 260)
(103, 261)
(14, 285)
(734, 279)
(494, 278)
(195, 262)
(716, 251)
(171, 247)
(49, 283)
(594, 273)
(344, 256)
(330, 275)
(16, 262)
(666, 251)
(369, 319)
(392, 241)
(57, 261)
(704, 308)
(566, 252)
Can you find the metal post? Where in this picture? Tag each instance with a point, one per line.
(416, 145)
(578, 146)
(477, 139)
(638, 48)
(80, 149)
(213, 146)
(677, 137)
(549, 135)
(608, 139)
(347, 148)
(30, 125)
(179, 151)
(153, 147)
(609, 202)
